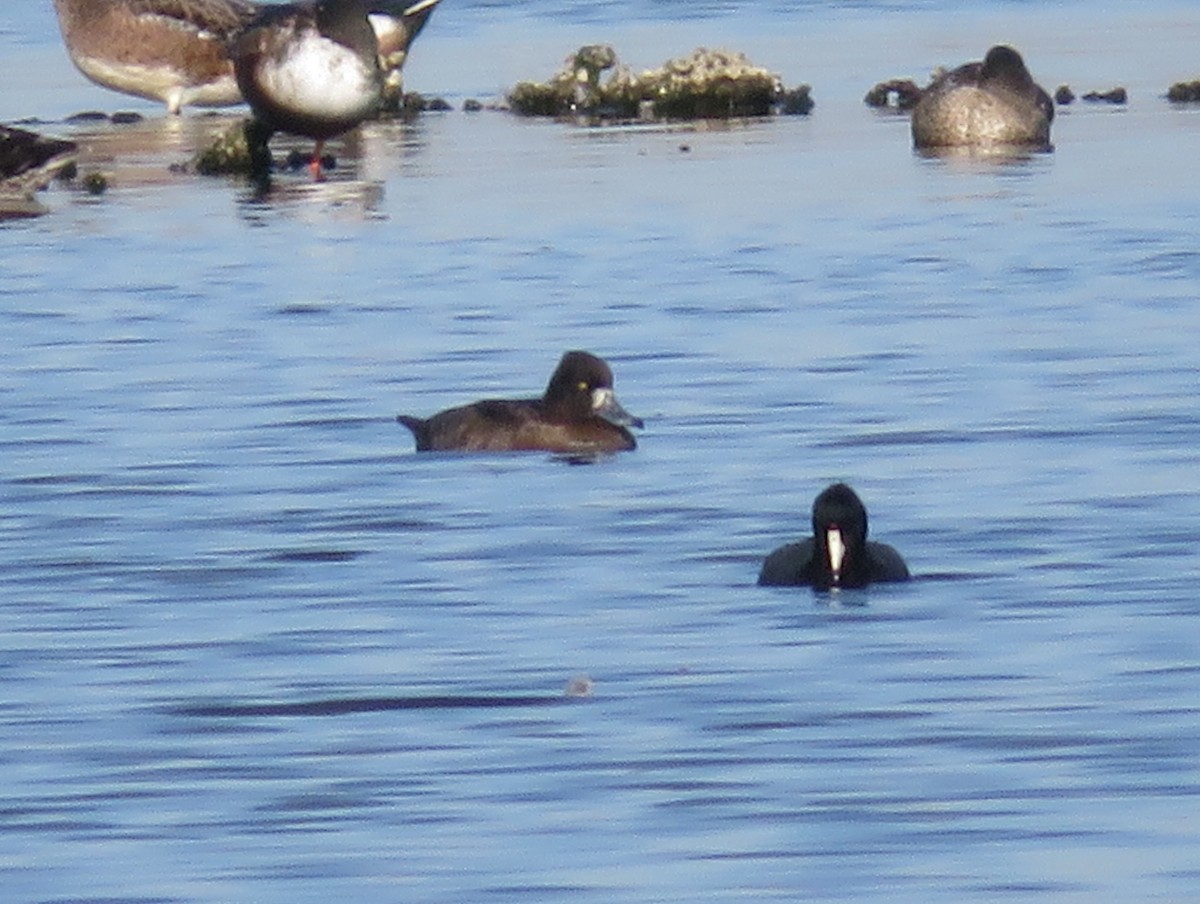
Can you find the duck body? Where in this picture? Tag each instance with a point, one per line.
(838, 555)
(984, 104)
(178, 51)
(172, 51)
(396, 26)
(578, 414)
(310, 69)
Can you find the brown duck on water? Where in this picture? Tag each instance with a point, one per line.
(984, 104)
(578, 414)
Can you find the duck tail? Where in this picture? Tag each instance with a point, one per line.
(419, 427)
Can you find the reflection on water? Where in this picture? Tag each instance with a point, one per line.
(257, 649)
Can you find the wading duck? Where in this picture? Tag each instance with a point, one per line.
(982, 105)
(578, 414)
(173, 51)
(177, 51)
(838, 554)
(310, 69)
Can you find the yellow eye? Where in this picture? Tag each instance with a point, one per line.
(583, 386)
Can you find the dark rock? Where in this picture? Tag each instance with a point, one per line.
(228, 154)
(1184, 93)
(1064, 95)
(796, 101)
(94, 183)
(1115, 96)
(86, 116)
(902, 94)
(705, 84)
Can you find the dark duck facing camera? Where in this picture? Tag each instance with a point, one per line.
(838, 554)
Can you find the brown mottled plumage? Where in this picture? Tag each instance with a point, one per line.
(987, 104)
(177, 51)
(168, 50)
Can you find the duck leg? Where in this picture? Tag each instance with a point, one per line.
(314, 165)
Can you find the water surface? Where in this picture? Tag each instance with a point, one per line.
(256, 649)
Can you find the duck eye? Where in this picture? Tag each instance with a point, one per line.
(583, 387)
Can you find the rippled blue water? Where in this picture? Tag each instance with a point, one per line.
(256, 649)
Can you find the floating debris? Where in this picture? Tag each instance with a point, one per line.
(471, 105)
(898, 93)
(1184, 93)
(706, 84)
(580, 686)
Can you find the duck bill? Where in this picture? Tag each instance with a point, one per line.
(836, 548)
(605, 405)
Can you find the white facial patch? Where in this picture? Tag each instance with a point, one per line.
(601, 398)
(837, 552)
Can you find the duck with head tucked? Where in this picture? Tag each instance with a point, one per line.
(988, 104)
(838, 555)
(578, 414)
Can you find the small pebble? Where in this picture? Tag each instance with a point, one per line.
(95, 183)
(580, 686)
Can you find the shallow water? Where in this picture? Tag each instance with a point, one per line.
(256, 649)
